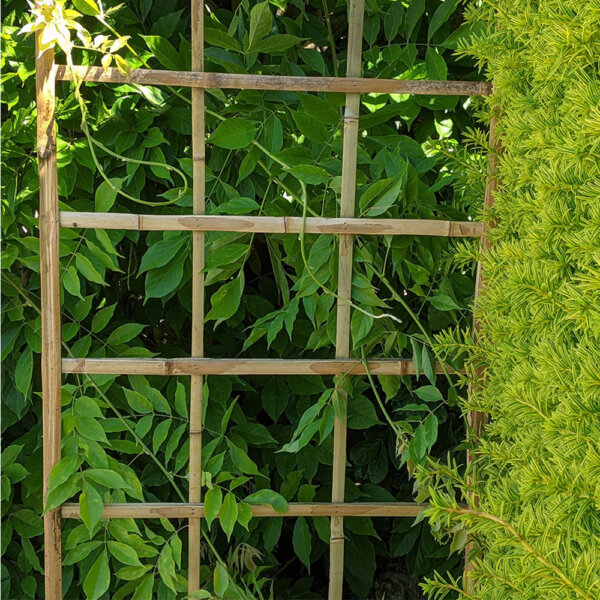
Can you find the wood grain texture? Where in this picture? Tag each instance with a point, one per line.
(348, 85)
(344, 289)
(295, 509)
(198, 246)
(50, 307)
(236, 366)
(249, 224)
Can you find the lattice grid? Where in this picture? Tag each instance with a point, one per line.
(197, 366)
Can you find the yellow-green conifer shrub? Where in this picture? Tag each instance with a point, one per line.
(537, 523)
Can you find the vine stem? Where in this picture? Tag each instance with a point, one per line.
(312, 275)
(417, 322)
(393, 425)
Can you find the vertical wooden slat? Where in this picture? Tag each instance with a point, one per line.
(342, 345)
(199, 168)
(476, 420)
(50, 304)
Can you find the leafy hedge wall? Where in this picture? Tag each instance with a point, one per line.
(539, 476)
(128, 294)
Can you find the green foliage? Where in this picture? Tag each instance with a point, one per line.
(266, 440)
(537, 480)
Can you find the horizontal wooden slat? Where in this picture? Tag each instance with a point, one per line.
(295, 509)
(235, 366)
(277, 82)
(93, 220)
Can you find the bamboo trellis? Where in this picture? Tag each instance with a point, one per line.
(346, 226)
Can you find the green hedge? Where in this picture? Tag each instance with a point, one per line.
(128, 294)
(538, 471)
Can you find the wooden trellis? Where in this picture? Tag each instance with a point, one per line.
(346, 226)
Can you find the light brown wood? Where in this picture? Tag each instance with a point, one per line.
(349, 85)
(197, 350)
(50, 306)
(345, 270)
(295, 509)
(237, 366)
(476, 420)
(249, 224)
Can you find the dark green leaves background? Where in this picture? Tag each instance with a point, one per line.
(128, 294)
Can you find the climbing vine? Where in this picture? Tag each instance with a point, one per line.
(267, 440)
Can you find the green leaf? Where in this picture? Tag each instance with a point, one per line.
(162, 252)
(301, 540)
(24, 370)
(443, 302)
(435, 65)
(62, 470)
(154, 137)
(261, 22)
(228, 514)
(181, 400)
(85, 267)
(90, 428)
(429, 393)
(27, 523)
(277, 501)
(237, 206)
(430, 428)
(428, 365)
(80, 552)
(106, 195)
(166, 567)
(124, 553)
(226, 300)
(216, 37)
(160, 434)
(144, 590)
(310, 174)
(361, 325)
(244, 514)
(226, 255)
(361, 413)
(393, 20)
(162, 49)
(233, 134)
(102, 318)
(415, 11)
(87, 7)
(319, 109)
(90, 506)
(310, 127)
(124, 333)
(107, 478)
(164, 280)
(320, 252)
(97, 579)
(441, 16)
(138, 402)
(275, 43)
(380, 196)
(212, 504)
(418, 445)
(71, 282)
(220, 580)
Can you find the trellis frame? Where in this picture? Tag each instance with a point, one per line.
(346, 226)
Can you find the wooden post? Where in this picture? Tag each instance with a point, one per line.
(476, 420)
(197, 381)
(342, 343)
(50, 305)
